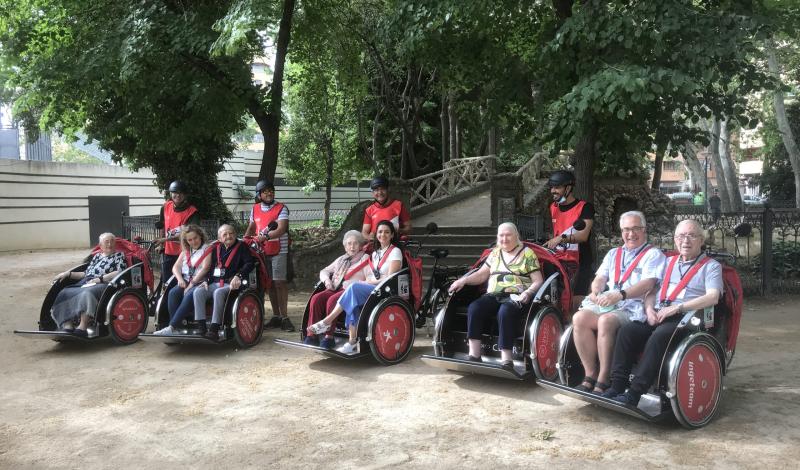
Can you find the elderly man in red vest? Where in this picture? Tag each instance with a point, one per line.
(269, 223)
(571, 245)
(175, 214)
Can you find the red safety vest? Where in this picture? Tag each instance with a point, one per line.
(562, 224)
(394, 212)
(173, 221)
(262, 219)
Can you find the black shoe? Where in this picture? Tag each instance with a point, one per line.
(628, 398)
(286, 324)
(80, 332)
(274, 322)
(474, 359)
(507, 365)
(213, 332)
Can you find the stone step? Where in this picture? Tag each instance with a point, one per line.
(420, 231)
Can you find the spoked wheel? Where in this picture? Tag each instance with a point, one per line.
(249, 311)
(546, 333)
(695, 381)
(392, 331)
(127, 310)
(425, 320)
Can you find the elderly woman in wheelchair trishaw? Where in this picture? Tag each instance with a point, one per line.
(375, 316)
(506, 315)
(678, 356)
(106, 296)
(230, 295)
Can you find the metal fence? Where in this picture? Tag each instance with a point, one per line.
(767, 259)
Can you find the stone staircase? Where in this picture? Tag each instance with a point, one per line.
(464, 243)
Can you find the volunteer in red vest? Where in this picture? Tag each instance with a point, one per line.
(688, 282)
(571, 246)
(385, 208)
(616, 298)
(176, 213)
(275, 243)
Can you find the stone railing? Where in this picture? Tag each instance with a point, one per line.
(458, 176)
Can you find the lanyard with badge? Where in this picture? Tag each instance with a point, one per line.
(219, 271)
(618, 282)
(193, 266)
(381, 260)
(667, 299)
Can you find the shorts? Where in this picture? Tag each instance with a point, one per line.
(623, 316)
(276, 266)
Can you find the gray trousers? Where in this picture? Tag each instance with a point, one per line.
(220, 295)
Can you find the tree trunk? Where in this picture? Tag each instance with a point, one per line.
(375, 144)
(720, 175)
(272, 124)
(658, 167)
(491, 138)
(729, 168)
(444, 122)
(451, 112)
(693, 166)
(783, 125)
(585, 157)
(326, 217)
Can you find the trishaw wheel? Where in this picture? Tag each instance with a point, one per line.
(249, 319)
(697, 378)
(547, 330)
(392, 331)
(128, 315)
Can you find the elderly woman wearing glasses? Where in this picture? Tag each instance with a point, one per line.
(351, 267)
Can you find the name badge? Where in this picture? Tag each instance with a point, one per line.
(376, 273)
(219, 272)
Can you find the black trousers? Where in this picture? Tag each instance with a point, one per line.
(633, 339)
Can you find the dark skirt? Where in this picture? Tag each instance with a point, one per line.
(72, 301)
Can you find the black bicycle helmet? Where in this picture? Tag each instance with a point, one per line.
(561, 178)
(264, 184)
(379, 181)
(177, 186)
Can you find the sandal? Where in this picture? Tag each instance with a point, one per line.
(587, 384)
(600, 388)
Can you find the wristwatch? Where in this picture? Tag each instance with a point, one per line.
(623, 294)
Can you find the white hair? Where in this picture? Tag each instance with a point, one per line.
(633, 214)
(352, 234)
(696, 224)
(510, 226)
(106, 235)
(225, 227)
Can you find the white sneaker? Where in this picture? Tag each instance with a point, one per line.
(168, 331)
(348, 348)
(318, 328)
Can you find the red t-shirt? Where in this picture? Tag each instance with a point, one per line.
(395, 212)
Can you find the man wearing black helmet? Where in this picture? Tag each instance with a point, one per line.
(571, 245)
(175, 213)
(384, 208)
(269, 223)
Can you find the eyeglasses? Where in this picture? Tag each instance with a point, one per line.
(637, 228)
(687, 236)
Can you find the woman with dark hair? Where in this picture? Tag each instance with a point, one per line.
(386, 260)
(80, 301)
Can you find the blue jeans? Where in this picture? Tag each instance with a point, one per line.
(180, 306)
(353, 299)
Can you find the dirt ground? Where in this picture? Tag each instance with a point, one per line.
(152, 406)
